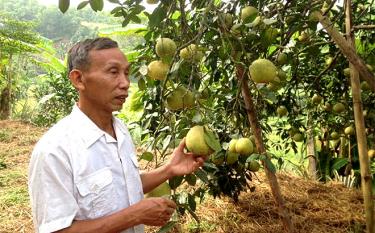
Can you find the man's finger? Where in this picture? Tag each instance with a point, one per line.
(181, 146)
(171, 204)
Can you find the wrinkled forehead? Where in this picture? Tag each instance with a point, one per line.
(104, 57)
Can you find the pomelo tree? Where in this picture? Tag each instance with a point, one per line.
(243, 64)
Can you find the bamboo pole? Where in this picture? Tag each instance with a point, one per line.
(254, 123)
(348, 50)
(311, 149)
(366, 182)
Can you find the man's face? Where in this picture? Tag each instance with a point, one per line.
(106, 81)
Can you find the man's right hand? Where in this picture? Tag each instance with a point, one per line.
(155, 211)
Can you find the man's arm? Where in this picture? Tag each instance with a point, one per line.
(180, 164)
(159, 211)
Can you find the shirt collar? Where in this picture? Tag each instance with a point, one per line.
(84, 126)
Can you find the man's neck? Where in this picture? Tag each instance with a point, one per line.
(102, 119)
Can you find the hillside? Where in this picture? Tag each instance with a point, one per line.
(315, 207)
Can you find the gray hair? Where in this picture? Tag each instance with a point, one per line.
(78, 55)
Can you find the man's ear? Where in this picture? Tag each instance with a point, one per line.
(75, 77)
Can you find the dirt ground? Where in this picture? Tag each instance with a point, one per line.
(314, 207)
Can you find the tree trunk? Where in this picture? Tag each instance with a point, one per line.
(348, 50)
(311, 150)
(366, 182)
(252, 116)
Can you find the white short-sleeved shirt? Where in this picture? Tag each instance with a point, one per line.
(79, 172)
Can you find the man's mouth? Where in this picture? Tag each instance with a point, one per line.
(122, 97)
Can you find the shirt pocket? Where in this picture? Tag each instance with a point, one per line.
(96, 193)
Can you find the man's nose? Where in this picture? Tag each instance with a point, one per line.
(124, 81)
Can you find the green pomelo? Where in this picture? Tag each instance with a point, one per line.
(304, 36)
(163, 190)
(339, 108)
(244, 146)
(316, 99)
(231, 157)
(335, 135)
(263, 71)
(165, 47)
(282, 59)
(282, 111)
(157, 70)
(298, 137)
(191, 53)
(195, 142)
(349, 130)
(180, 98)
(248, 12)
(327, 107)
(347, 72)
(253, 166)
(227, 19)
(270, 34)
(217, 159)
(232, 145)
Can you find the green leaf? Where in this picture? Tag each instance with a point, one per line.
(339, 163)
(211, 140)
(116, 9)
(167, 227)
(191, 179)
(148, 156)
(126, 21)
(136, 19)
(64, 5)
(114, 1)
(156, 17)
(270, 166)
(142, 84)
(252, 157)
(137, 9)
(192, 203)
(82, 5)
(97, 5)
(202, 175)
(174, 182)
(166, 141)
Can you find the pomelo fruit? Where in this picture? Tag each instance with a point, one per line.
(263, 71)
(165, 47)
(248, 12)
(339, 108)
(244, 146)
(196, 143)
(282, 111)
(157, 70)
(163, 190)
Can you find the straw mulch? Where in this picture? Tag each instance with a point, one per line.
(314, 207)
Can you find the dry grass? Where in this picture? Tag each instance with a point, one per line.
(314, 207)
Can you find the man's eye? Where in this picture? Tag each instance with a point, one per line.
(113, 71)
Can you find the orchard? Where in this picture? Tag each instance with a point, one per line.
(229, 74)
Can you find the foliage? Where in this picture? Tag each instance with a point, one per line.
(56, 98)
